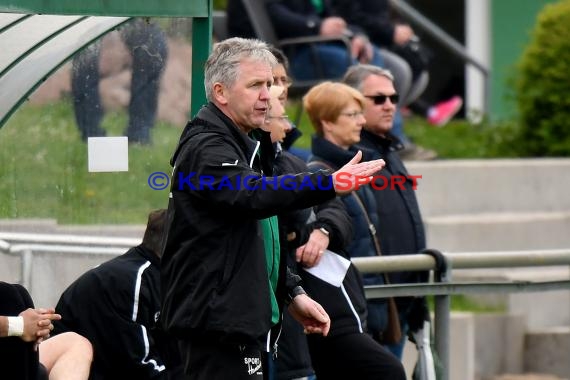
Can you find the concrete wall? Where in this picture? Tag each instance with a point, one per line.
(475, 205)
(548, 351)
(481, 347)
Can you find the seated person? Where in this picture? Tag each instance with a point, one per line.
(410, 72)
(116, 306)
(25, 349)
(301, 18)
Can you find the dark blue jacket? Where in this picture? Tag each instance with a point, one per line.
(342, 305)
(362, 243)
(401, 230)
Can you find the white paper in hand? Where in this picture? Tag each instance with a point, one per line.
(332, 268)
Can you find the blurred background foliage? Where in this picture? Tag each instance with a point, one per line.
(542, 84)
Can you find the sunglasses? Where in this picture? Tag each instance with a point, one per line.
(381, 98)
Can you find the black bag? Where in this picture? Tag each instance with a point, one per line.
(416, 54)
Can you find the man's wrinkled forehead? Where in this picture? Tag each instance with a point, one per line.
(255, 70)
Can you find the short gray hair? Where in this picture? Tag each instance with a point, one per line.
(357, 74)
(223, 63)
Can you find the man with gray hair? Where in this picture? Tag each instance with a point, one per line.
(401, 230)
(223, 280)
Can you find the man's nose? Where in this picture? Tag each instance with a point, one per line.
(264, 94)
(389, 105)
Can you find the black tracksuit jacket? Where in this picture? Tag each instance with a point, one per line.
(116, 306)
(214, 277)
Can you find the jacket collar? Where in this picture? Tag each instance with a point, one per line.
(211, 119)
(148, 254)
(388, 143)
(293, 135)
(336, 155)
(218, 120)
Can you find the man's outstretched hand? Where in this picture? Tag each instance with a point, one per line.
(310, 314)
(355, 174)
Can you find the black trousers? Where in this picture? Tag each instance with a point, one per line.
(215, 360)
(353, 356)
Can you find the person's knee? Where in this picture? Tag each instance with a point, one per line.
(65, 345)
(80, 344)
(71, 342)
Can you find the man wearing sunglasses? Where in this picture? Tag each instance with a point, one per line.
(401, 230)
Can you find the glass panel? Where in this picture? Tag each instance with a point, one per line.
(43, 150)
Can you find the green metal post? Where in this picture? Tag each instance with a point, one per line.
(201, 46)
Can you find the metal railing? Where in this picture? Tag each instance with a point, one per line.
(58, 243)
(443, 288)
(22, 237)
(4, 246)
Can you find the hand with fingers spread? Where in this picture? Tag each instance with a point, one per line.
(355, 173)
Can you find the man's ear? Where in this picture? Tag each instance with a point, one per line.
(220, 92)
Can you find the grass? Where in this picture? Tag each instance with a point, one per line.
(43, 170)
(465, 303)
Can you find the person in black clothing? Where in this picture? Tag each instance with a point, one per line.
(304, 235)
(401, 230)
(26, 353)
(335, 111)
(237, 20)
(116, 306)
(410, 70)
(294, 360)
(223, 280)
